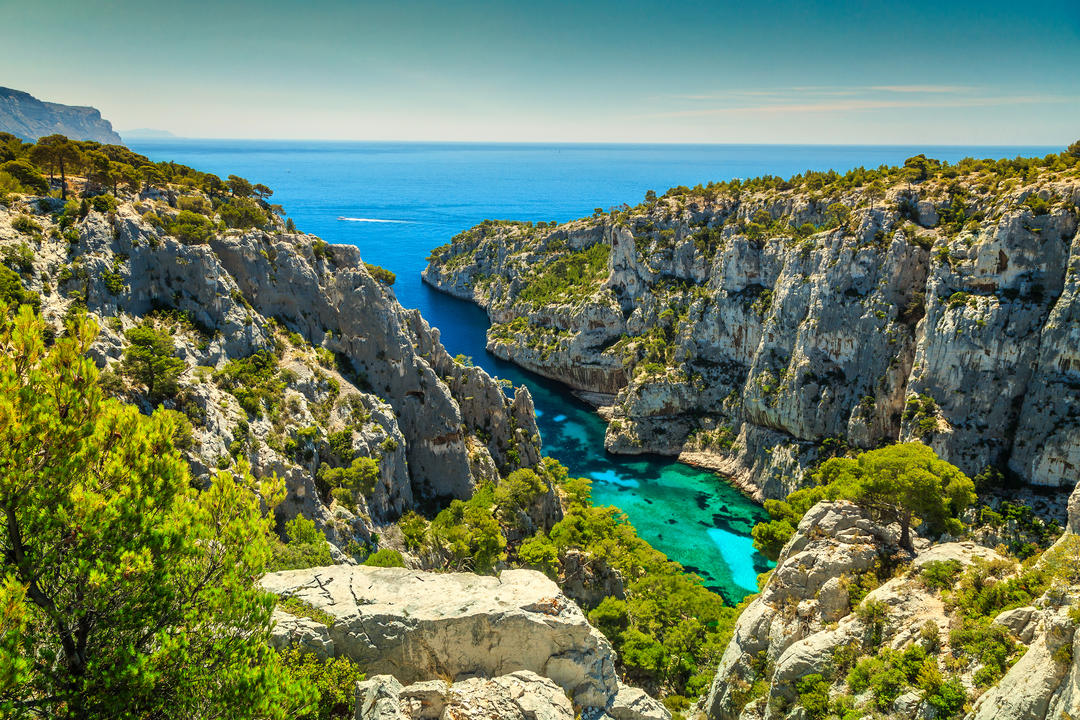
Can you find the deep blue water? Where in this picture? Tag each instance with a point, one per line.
(397, 201)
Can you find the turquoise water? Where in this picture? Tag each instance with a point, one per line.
(396, 201)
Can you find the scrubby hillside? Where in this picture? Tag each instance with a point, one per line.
(277, 347)
(850, 626)
(262, 352)
(756, 327)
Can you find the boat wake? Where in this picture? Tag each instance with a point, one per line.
(372, 220)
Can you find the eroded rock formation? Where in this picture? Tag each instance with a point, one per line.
(723, 331)
(338, 352)
(511, 643)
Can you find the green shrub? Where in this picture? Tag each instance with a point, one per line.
(335, 680)
(984, 590)
(642, 654)
(18, 257)
(341, 444)
(30, 180)
(195, 204)
(26, 225)
(190, 228)
(302, 608)
(468, 534)
(104, 203)
(151, 361)
(255, 382)
(539, 553)
(242, 213)
(381, 274)
(940, 574)
(359, 477)
(414, 527)
(1037, 204)
(385, 557)
(989, 645)
(12, 291)
(611, 617)
(813, 691)
(114, 282)
(305, 547)
(517, 493)
(344, 497)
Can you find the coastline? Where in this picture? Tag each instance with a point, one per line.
(724, 468)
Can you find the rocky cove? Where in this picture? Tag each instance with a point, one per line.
(757, 329)
(293, 357)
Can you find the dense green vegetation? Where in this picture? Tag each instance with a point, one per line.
(568, 278)
(206, 203)
(126, 592)
(150, 360)
(305, 547)
(669, 630)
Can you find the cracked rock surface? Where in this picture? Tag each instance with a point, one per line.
(420, 626)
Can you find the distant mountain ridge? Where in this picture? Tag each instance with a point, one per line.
(26, 117)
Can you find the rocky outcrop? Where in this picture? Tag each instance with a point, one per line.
(736, 342)
(808, 619)
(787, 627)
(419, 626)
(341, 360)
(521, 695)
(28, 118)
(422, 627)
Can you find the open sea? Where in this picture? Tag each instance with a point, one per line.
(397, 201)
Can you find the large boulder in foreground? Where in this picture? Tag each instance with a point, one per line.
(522, 695)
(419, 626)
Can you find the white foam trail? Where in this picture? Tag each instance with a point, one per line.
(372, 220)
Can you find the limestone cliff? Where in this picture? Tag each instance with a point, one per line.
(28, 118)
(844, 624)
(294, 356)
(747, 327)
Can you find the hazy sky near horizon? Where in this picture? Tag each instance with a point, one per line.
(942, 72)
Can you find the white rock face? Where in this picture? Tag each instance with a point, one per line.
(771, 346)
(794, 628)
(310, 636)
(405, 401)
(420, 626)
(1036, 680)
(804, 614)
(522, 695)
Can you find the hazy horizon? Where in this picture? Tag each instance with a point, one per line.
(596, 143)
(635, 72)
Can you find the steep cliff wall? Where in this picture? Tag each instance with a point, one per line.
(751, 327)
(28, 118)
(329, 367)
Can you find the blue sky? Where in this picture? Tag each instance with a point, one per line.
(768, 71)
